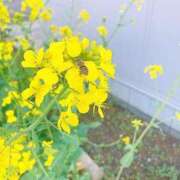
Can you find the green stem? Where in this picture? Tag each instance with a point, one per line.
(119, 173)
(153, 120)
(39, 161)
(119, 24)
(39, 119)
(158, 112)
(135, 135)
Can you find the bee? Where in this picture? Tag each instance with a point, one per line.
(82, 67)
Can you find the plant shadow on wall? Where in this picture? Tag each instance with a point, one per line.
(44, 92)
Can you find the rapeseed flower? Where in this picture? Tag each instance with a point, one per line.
(137, 123)
(6, 50)
(126, 140)
(4, 16)
(84, 15)
(46, 14)
(102, 30)
(67, 120)
(15, 159)
(154, 71)
(41, 84)
(10, 115)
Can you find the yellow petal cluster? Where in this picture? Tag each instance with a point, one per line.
(66, 120)
(84, 15)
(9, 98)
(154, 71)
(24, 43)
(102, 30)
(40, 85)
(4, 16)
(126, 140)
(49, 152)
(46, 14)
(35, 7)
(11, 118)
(16, 159)
(138, 4)
(6, 50)
(137, 123)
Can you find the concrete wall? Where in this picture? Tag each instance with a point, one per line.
(153, 39)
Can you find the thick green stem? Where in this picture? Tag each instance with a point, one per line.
(119, 173)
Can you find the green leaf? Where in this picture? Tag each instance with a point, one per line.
(127, 159)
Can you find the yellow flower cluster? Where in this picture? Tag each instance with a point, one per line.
(9, 98)
(15, 159)
(4, 16)
(15, 98)
(6, 50)
(37, 9)
(81, 64)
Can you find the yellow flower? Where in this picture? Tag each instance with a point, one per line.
(126, 140)
(55, 59)
(85, 43)
(84, 15)
(41, 84)
(14, 159)
(102, 30)
(35, 7)
(138, 4)
(4, 16)
(47, 144)
(49, 151)
(178, 115)
(54, 28)
(154, 71)
(65, 31)
(6, 50)
(24, 43)
(10, 97)
(32, 59)
(137, 123)
(49, 160)
(26, 163)
(73, 46)
(67, 120)
(46, 14)
(106, 62)
(11, 118)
